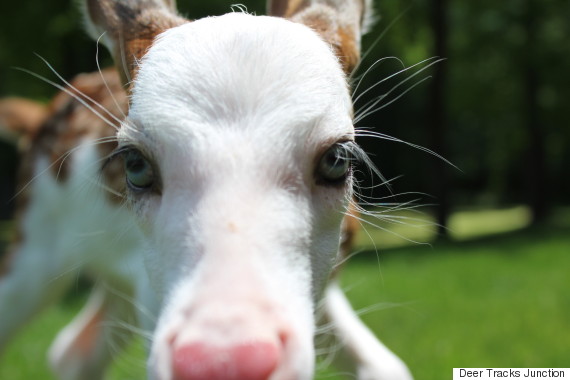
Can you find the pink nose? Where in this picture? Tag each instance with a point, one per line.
(250, 361)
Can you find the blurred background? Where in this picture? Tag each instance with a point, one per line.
(490, 288)
(496, 107)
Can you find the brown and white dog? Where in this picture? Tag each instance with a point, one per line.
(210, 200)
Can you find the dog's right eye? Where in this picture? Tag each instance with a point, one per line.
(139, 171)
(334, 166)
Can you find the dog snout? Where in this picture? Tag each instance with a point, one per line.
(244, 361)
(231, 342)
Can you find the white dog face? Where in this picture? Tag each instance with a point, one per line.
(236, 157)
(236, 152)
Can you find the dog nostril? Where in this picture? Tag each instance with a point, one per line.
(249, 361)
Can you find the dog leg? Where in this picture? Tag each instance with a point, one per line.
(85, 347)
(362, 351)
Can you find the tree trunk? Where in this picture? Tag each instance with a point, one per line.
(437, 117)
(536, 174)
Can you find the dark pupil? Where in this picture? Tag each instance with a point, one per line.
(135, 164)
(334, 165)
(334, 158)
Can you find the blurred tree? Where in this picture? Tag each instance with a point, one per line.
(503, 104)
(535, 156)
(438, 116)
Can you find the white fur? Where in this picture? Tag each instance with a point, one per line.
(69, 227)
(208, 137)
(234, 112)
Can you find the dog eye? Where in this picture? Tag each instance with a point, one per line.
(140, 175)
(334, 165)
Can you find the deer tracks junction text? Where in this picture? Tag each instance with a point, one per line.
(511, 373)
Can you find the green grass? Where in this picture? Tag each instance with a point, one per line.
(492, 303)
(484, 300)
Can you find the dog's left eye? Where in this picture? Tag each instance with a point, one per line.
(140, 175)
(334, 165)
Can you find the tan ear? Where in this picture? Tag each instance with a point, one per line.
(129, 28)
(339, 22)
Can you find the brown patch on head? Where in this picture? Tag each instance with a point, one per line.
(137, 45)
(287, 8)
(342, 39)
(347, 49)
(339, 23)
(132, 27)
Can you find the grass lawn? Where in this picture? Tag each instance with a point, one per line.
(483, 300)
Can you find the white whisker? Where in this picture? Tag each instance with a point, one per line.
(373, 66)
(390, 77)
(380, 36)
(133, 301)
(371, 109)
(61, 158)
(368, 107)
(119, 108)
(124, 64)
(70, 93)
(366, 133)
(84, 96)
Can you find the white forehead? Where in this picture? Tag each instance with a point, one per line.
(239, 71)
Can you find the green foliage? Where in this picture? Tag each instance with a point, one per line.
(491, 47)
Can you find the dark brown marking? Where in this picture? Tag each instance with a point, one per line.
(70, 122)
(347, 50)
(341, 39)
(338, 23)
(67, 124)
(350, 227)
(132, 26)
(289, 8)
